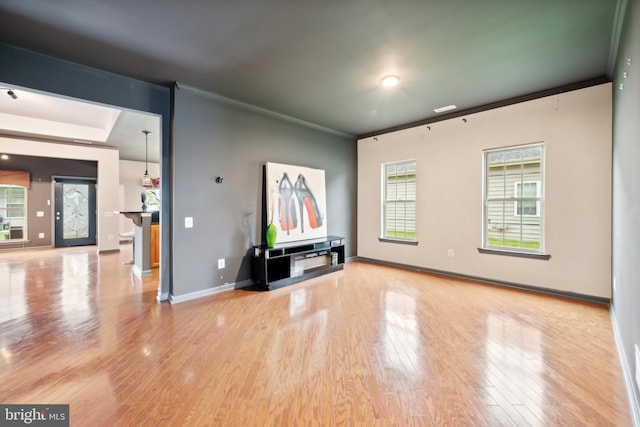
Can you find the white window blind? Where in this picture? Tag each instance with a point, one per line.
(399, 200)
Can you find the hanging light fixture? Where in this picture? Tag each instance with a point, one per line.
(146, 178)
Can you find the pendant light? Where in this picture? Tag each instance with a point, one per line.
(146, 178)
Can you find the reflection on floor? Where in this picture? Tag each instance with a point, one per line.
(370, 345)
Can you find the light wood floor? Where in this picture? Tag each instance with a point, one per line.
(367, 346)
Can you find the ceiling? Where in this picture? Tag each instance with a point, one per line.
(322, 62)
(36, 115)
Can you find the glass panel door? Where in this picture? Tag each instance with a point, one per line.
(75, 203)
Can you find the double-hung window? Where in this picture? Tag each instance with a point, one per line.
(399, 201)
(513, 199)
(13, 208)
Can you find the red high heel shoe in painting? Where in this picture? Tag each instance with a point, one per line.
(305, 198)
(287, 208)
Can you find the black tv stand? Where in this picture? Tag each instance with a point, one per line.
(293, 262)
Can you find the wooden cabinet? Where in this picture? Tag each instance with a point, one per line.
(293, 262)
(154, 246)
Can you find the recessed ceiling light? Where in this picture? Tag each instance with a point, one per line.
(443, 109)
(389, 81)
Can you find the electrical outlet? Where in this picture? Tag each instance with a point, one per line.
(40, 235)
(220, 263)
(451, 253)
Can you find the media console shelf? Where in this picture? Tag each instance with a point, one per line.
(292, 262)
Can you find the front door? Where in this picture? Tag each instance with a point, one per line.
(75, 210)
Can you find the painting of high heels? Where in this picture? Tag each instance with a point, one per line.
(287, 208)
(296, 197)
(306, 200)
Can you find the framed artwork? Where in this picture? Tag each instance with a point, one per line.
(296, 202)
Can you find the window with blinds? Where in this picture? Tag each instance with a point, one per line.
(513, 199)
(399, 200)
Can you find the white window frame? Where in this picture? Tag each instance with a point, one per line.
(384, 232)
(527, 199)
(536, 253)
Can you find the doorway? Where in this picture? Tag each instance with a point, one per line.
(123, 138)
(75, 212)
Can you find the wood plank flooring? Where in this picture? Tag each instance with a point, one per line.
(368, 346)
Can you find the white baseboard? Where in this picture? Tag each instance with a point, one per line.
(207, 292)
(138, 272)
(629, 380)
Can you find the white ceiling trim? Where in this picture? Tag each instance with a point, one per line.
(34, 126)
(42, 114)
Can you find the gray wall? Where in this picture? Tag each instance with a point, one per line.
(42, 169)
(215, 138)
(626, 200)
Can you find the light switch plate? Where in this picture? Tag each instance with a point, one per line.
(188, 222)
